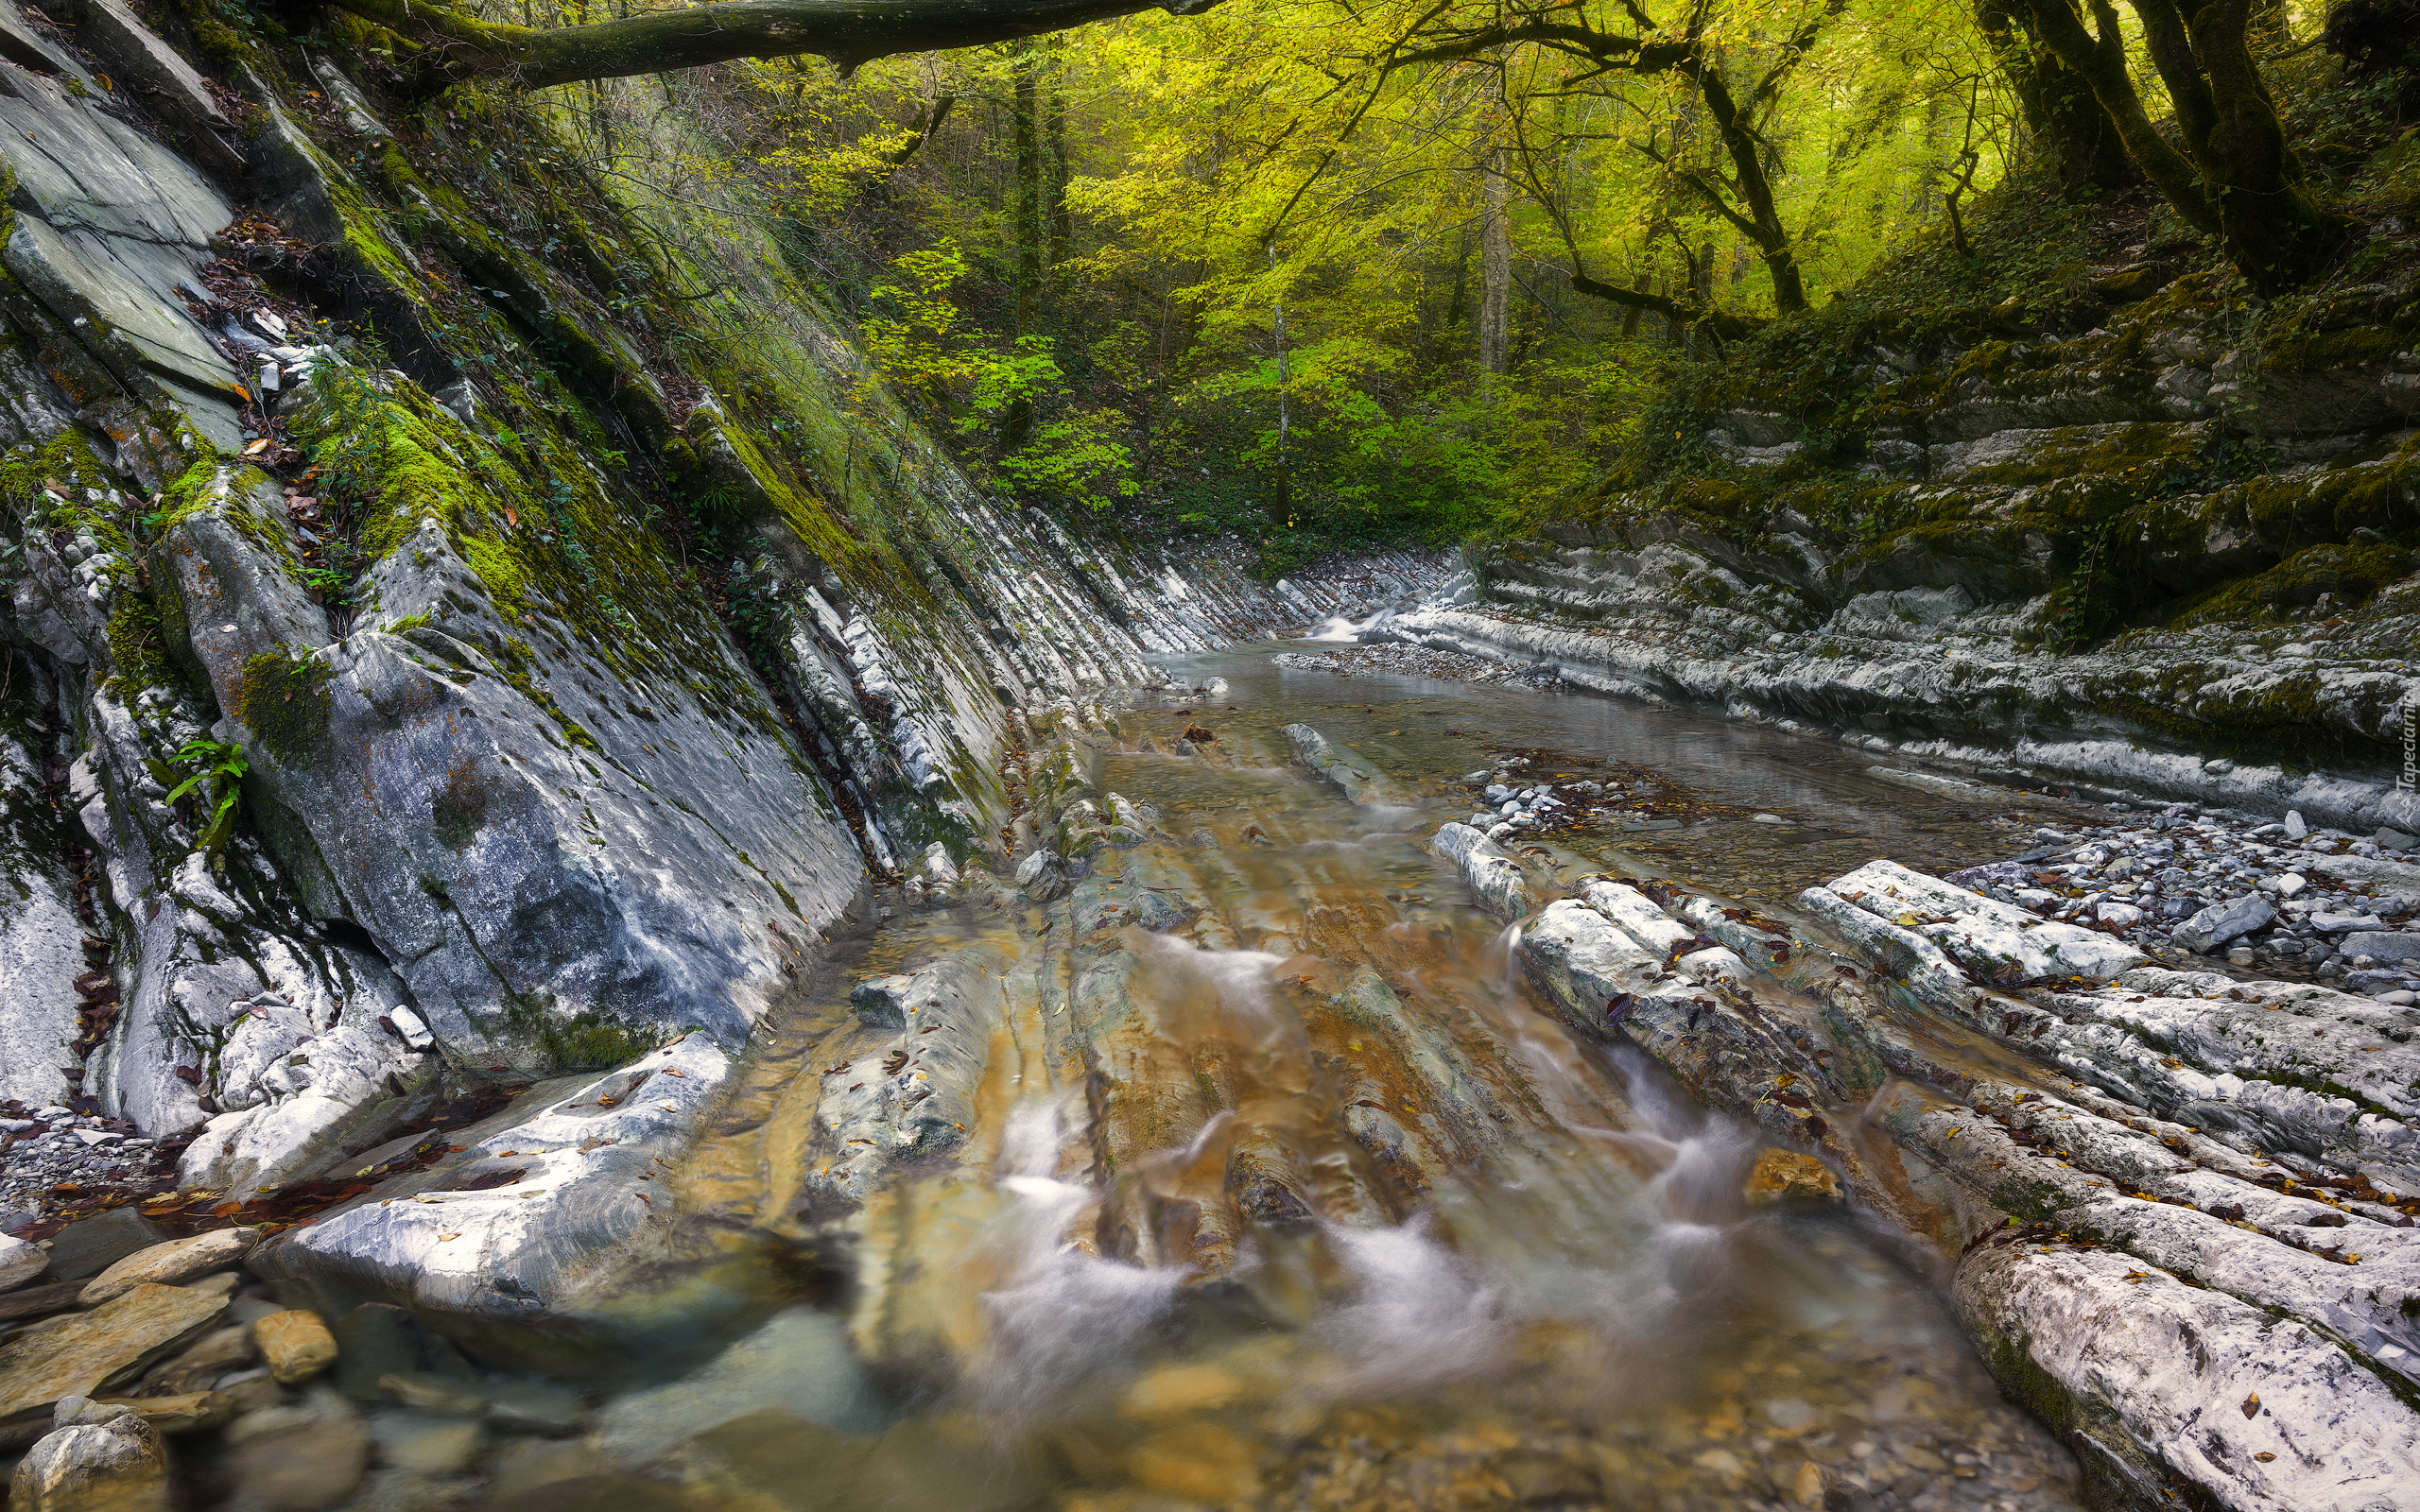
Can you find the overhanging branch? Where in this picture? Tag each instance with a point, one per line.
(849, 32)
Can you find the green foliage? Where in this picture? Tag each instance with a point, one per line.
(220, 767)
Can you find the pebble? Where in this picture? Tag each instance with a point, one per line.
(2195, 878)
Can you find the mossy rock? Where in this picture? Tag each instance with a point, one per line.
(2351, 574)
(283, 698)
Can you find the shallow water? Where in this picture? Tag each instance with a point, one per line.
(1308, 1202)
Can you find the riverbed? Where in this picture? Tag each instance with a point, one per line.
(1262, 1179)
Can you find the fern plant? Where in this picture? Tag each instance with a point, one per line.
(221, 766)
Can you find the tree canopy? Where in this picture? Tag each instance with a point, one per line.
(1356, 268)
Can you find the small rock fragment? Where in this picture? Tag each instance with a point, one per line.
(1785, 1175)
(296, 1345)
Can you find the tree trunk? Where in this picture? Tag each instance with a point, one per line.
(2101, 62)
(2057, 106)
(2278, 236)
(1494, 270)
(1063, 220)
(850, 32)
(1285, 499)
(1018, 425)
(1762, 223)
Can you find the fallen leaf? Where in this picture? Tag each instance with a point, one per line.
(2264, 1457)
(442, 1238)
(257, 447)
(2252, 1405)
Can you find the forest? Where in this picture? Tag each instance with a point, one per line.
(1327, 275)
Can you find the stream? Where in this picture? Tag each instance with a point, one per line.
(1249, 1172)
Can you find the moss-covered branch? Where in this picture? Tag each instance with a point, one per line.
(849, 32)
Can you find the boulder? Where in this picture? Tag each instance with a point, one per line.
(1492, 876)
(101, 1457)
(1354, 775)
(171, 1264)
(2174, 1394)
(493, 1245)
(2221, 923)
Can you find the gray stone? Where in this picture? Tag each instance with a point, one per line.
(99, 1458)
(20, 1260)
(303, 1457)
(882, 1002)
(2218, 923)
(2382, 946)
(425, 1442)
(799, 1361)
(1353, 774)
(91, 1245)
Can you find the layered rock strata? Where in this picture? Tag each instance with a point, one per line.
(2178, 1204)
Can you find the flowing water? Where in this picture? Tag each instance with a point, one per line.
(1271, 1184)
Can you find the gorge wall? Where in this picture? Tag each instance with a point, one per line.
(591, 630)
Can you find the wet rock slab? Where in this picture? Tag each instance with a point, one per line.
(90, 1351)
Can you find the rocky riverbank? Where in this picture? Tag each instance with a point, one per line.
(2178, 1215)
(2168, 558)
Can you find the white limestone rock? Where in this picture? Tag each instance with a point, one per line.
(1998, 944)
(511, 1258)
(99, 1457)
(2166, 1389)
(1495, 878)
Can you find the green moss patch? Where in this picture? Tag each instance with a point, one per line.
(282, 697)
